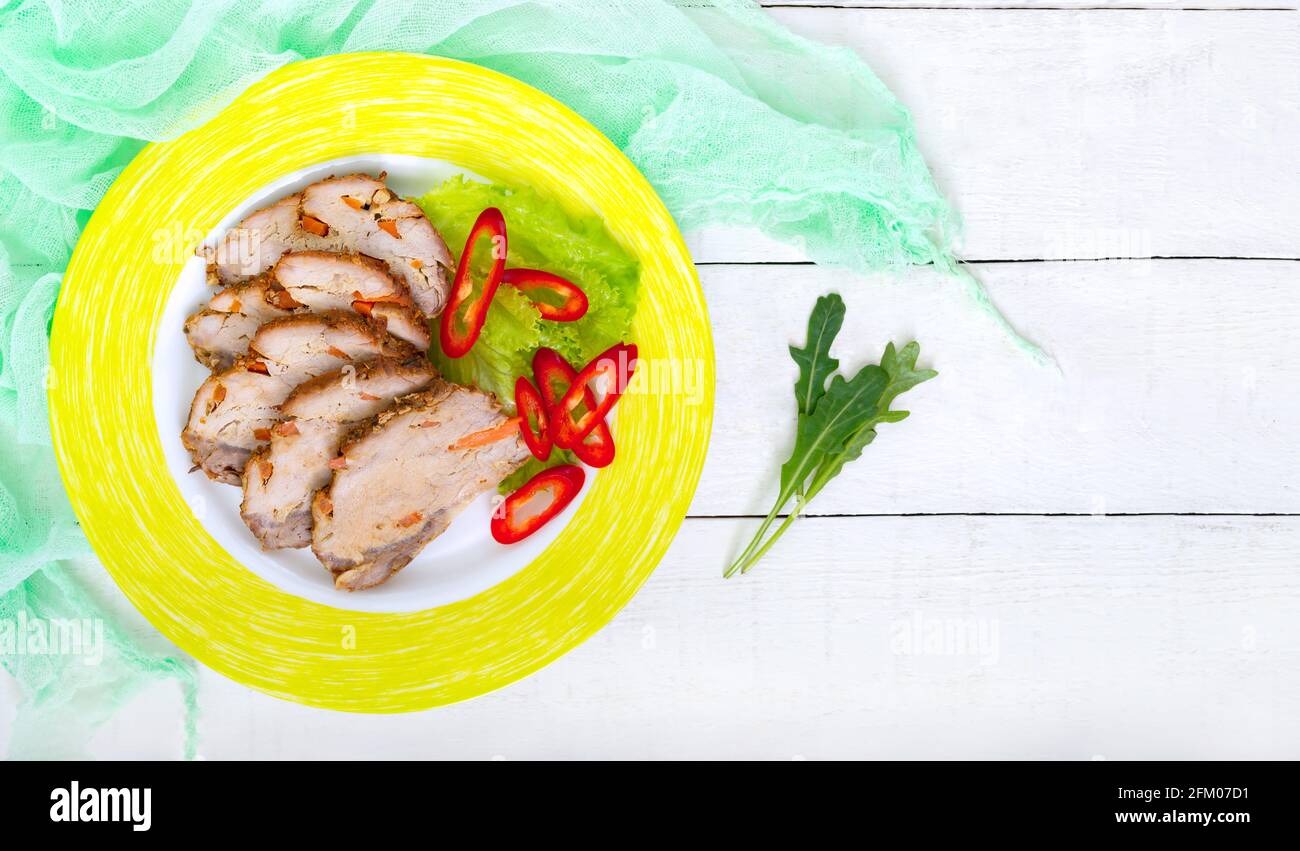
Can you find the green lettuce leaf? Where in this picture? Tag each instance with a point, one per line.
(541, 234)
(532, 467)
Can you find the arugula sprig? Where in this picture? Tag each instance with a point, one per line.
(836, 421)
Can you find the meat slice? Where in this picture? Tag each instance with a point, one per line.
(320, 280)
(233, 410)
(404, 323)
(302, 282)
(281, 478)
(399, 482)
(370, 219)
(220, 332)
(252, 246)
(356, 213)
(324, 280)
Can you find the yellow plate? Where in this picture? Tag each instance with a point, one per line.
(110, 452)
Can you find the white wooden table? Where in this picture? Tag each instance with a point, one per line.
(1120, 540)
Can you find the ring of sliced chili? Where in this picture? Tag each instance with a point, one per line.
(458, 333)
(554, 375)
(617, 363)
(531, 408)
(518, 516)
(556, 298)
(597, 448)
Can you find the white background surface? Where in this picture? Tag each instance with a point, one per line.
(1123, 536)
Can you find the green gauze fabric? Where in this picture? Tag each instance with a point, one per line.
(730, 116)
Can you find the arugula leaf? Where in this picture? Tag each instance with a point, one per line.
(901, 375)
(815, 361)
(839, 414)
(835, 422)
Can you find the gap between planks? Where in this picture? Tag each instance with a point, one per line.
(1021, 260)
(1003, 514)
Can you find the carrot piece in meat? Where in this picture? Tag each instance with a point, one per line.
(394, 298)
(284, 301)
(488, 435)
(218, 396)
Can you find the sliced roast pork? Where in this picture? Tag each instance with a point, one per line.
(356, 213)
(233, 410)
(220, 332)
(372, 220)
(302, 282)
(325, 280)
(400, 481)
(321, 280)
(404, 323)
(281, 478)
(252, 246)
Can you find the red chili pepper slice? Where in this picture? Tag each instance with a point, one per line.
(597, 448)
(554, 376)
(533, 505)
(463, 317)
(616, 365)
(531, 408)
(556, 298)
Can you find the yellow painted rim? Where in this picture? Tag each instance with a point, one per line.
(111, 455)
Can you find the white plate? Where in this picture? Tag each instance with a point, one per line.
(460, 563)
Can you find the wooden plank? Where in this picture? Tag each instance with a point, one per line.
(1083, 134)
(1176, 391)
(1028, 638)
